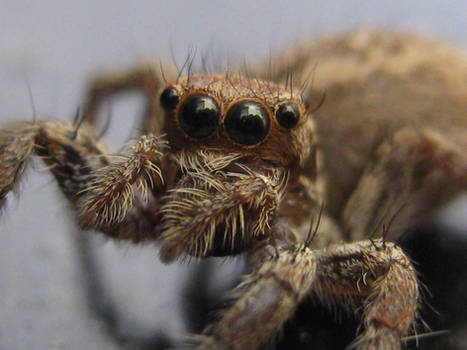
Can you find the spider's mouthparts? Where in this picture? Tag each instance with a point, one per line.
(217, 211)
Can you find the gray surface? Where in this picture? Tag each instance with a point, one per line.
(58, 45)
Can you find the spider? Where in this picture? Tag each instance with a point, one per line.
(259, 164)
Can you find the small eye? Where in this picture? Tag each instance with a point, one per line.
(247, 123)
(199, 116)
(169, 98)
(287, 115)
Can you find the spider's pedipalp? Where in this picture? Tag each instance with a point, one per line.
(219, 207)
(108, 195)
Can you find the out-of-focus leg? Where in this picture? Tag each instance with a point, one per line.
(146, 79)
(411, 175)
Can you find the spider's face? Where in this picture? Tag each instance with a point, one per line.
(235, 143)
(257, 119)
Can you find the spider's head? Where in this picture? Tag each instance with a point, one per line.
(236, 145)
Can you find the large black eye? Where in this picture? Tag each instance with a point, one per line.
(169, 98)
(247, 123)
(199, 116)
(287, 115)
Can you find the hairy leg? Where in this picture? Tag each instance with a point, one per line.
(262, 302)
(99, 187)
(376, 275)
(380, 276)
(16, 145)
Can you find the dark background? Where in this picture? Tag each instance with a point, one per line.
(56, 46)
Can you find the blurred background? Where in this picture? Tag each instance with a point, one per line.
(55, 46)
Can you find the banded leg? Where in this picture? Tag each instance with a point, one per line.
(380, 276)
(100, 188)
(263, 302)
(376, 275)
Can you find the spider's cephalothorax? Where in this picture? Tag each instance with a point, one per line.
(235, 146)
(227, 164)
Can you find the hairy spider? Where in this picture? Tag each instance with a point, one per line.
(228, 164)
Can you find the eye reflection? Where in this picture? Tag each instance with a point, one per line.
(287, 115)
(169, 98)
(199, 116)
(247, 123)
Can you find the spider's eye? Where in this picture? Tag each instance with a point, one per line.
(247, 123)
(287, 115)
(199, 116)
(169, 98)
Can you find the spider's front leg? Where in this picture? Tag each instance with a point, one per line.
(99, 186)
(376, 275)
(380, 276)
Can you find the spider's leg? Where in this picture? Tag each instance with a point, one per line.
(381, 277)
(376, 274)
(16, 146)
(263, 301)
(100, 187)
(412, 174)
(145, 79)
